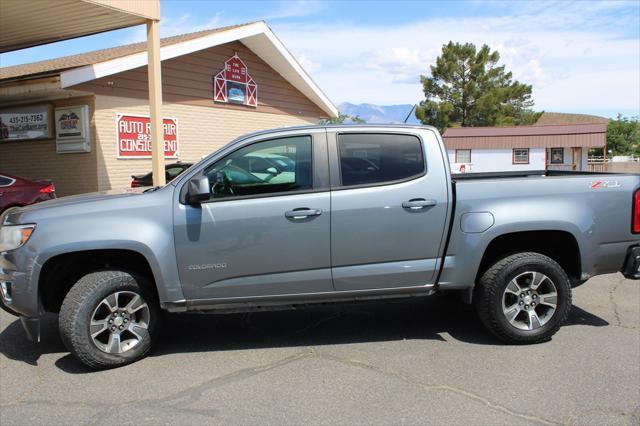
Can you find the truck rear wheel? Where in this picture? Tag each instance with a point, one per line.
(524, 298)
(109, 319)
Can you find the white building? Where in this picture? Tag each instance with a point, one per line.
(490, 149)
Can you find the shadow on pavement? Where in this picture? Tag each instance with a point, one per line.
(579, 316)
(434, 318)
(14, 344)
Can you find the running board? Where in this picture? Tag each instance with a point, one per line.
(295, 301)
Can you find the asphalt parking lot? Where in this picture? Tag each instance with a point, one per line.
(411, 362)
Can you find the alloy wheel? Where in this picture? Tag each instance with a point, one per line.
(120, 322)
(529, 300)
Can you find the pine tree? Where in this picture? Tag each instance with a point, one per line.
(467, 87)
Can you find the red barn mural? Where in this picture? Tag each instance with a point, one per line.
(234, 84)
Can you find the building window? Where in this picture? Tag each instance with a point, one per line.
(463, 155)
(557, 155)
(521, 156)
(374, 159)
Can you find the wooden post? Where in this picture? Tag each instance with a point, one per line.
(155, 102)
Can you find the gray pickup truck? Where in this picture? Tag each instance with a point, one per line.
(317, 214)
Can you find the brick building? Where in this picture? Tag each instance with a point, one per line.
(80, 120)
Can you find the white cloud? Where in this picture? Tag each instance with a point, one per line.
(309, 65)
(171, 26)
(188, 23)
(294, 9)
(570, 53)
(402, 64)
(606, 89)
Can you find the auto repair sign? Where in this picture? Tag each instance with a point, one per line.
(134, 136)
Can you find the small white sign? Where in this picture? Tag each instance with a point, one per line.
(25, 123)
(72, 129)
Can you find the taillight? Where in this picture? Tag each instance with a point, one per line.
(635, 213)
(135, 184)
(49, 189)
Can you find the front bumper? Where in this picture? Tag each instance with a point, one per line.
(4, 306)
(18, 295)
(31, 325)
(19, 281)
(631, 268)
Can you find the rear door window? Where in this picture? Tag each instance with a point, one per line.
(374, 159)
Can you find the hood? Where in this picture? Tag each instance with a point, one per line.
(68, 204)
(83, 198)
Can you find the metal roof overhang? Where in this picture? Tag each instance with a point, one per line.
(589, 140)
(35, 90)
(26, 24)
(31, 23)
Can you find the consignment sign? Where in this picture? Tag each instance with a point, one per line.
(134, 136)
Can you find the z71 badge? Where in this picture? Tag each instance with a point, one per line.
(601, 184)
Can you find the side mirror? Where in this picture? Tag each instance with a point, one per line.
(273, 171)
(199, 190)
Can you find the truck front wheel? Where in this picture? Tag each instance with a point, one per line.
(524, 298)
(109, 319)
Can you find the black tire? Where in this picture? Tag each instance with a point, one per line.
(78, 308)
(489, 293)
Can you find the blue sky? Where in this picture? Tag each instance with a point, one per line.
(580, 56)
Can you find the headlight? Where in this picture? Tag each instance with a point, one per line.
(14, 236)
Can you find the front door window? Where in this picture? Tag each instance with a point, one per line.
(274, 166)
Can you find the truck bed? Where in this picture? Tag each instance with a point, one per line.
(594, 207)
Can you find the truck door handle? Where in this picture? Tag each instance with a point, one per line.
(302, 213)
(418, 203)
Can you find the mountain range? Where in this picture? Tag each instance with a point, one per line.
(379, 113)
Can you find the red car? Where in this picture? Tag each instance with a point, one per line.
(16, 191)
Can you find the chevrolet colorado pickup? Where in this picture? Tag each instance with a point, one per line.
(318, 214)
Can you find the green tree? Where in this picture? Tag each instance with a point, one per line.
(343, 118)
(468, 88)
(623, 136)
